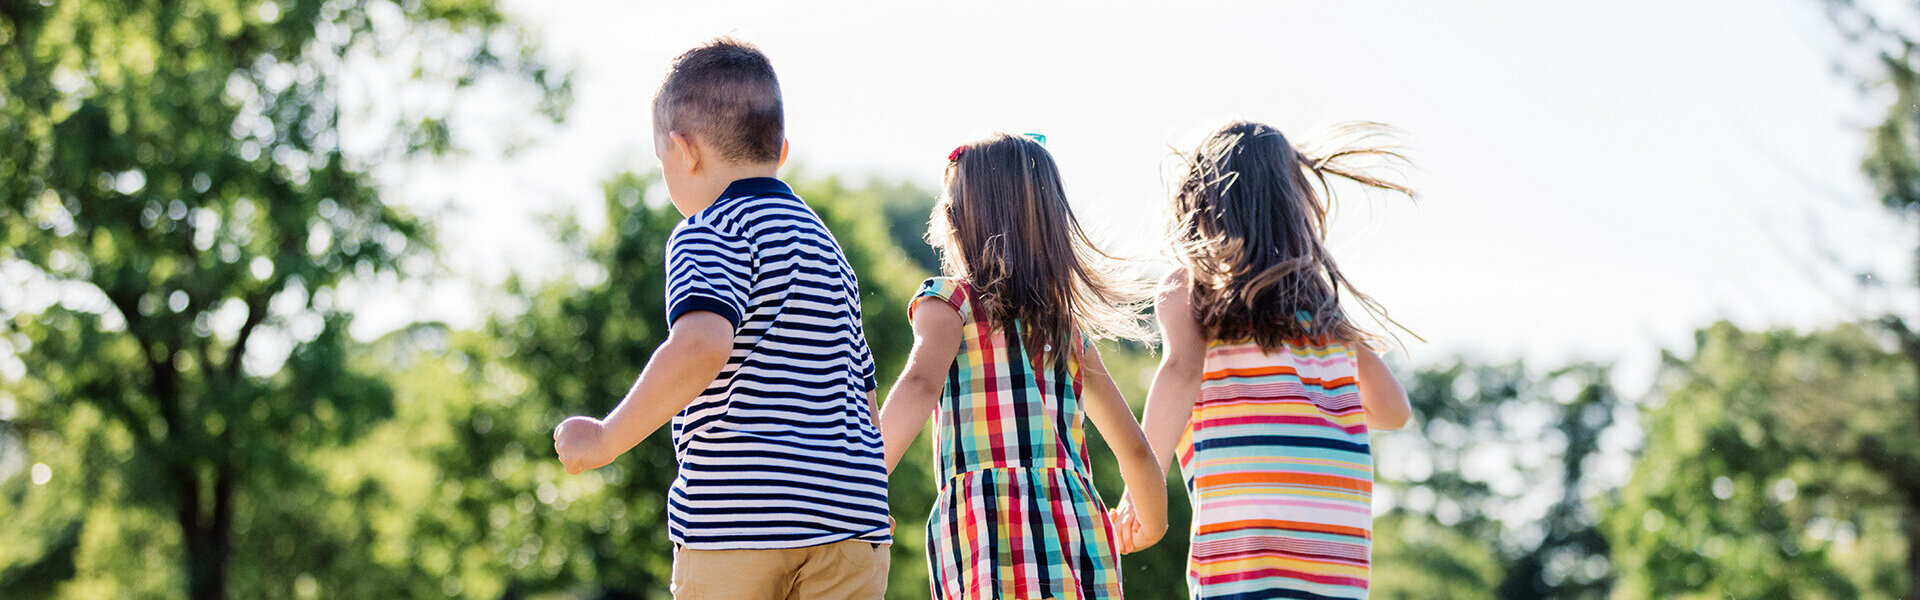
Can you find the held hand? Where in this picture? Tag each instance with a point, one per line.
(1142, 531)
(1124, 524)
(578, 442)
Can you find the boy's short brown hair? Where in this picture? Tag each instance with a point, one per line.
(724, 93)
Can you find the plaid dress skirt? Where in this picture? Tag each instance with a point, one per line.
(1017, 516)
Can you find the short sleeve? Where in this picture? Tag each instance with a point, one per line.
(708, 270)
(947, 289)
(866, 367)
(865, 362)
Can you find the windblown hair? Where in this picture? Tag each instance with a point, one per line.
(724, 93)
(1003, 226)
(1249, 225)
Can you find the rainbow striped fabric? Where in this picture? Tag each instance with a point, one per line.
(1278, 465)
(1017, 516)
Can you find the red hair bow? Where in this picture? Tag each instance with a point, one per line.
(955, 155)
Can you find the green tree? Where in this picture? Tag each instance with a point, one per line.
(1750, 484)
(1416, 557)
(179, 206)
(1884, 36)
(1486, 443)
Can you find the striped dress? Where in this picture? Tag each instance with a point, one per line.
(1017, 516)
(1278, 465)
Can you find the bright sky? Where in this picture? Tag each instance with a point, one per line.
(1599, 180)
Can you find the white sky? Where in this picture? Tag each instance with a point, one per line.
(1599, 180)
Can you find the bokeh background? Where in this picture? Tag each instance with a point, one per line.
(293, 291)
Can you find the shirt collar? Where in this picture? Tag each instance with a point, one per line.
(755, 186)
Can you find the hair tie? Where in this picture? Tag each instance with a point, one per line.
(955, 154)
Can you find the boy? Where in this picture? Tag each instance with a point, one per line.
(765, 374)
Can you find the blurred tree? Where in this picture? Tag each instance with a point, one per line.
(908, 209)
(1884, 45)
(1754, 483)
(576, 349)
(1489, 446)
(178, 203)
(1415, 557)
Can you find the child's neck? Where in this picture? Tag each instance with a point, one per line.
(715, 181)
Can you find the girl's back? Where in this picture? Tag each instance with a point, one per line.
(1000, 408)
(1267, 391)
(1016, 515)
(1002, 360)
(1280, 474)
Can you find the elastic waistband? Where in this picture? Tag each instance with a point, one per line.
(1076, 472)
(1017, 468)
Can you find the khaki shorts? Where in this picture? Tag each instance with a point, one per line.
(849, 570)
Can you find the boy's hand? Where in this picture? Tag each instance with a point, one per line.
(578, 442)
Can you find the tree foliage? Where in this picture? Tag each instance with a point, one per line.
(1753, 484)
(1883, 57)
(177, 209)
(1497, 467)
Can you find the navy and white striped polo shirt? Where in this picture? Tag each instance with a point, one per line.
(780, 451)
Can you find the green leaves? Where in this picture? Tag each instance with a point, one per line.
(1495, 468)
(1755, 481)
(176, 181)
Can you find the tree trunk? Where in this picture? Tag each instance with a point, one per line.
(219, 534)
(1910, 344)
(205, 581)
(206, 537)
(1912, 518)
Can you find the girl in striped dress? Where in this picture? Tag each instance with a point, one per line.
(1003, 361)
(1266, 390)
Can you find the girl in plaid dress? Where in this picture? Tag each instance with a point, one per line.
(1002, 359)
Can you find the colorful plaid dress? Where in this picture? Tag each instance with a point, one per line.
(1017, 517)
(1280, 471)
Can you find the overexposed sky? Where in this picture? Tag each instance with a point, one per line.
(1599, 180)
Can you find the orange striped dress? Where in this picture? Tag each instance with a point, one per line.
(1280, 471)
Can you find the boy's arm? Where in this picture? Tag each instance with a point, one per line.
(936, 339)
(697, 347)
(1380, 394)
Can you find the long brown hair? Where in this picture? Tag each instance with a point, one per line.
(1003, 226)
(1249, 225)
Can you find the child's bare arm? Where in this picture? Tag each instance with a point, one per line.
(1176, 385)
(1380, 394)
(936, 339)
(1146, 494)
(696, 349)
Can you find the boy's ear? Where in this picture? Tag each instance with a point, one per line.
(688, 151)
(784, 147)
